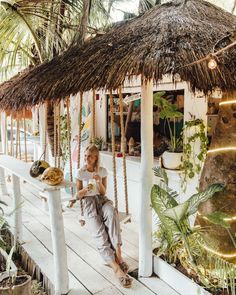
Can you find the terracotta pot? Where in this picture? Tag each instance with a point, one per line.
(22, 289)
(172, 160)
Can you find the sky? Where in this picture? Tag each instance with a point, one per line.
(132, 6)
(127, 5)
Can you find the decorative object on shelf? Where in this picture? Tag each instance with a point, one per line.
(194, 149)
(38, 167)
(168, 111)
(52, 176)
(124, 145)
(98, 141)
(180, 244)
(109, 147)
(131, 146)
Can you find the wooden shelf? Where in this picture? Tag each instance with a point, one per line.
(118, 113)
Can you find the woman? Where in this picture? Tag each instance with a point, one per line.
(101, 217)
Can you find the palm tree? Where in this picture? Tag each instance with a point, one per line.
(220, 167)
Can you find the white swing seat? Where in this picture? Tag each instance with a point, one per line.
(123, 217)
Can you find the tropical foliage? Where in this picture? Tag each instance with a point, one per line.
(34, 31)
(179, 242)
(169, 112)
(194, 133)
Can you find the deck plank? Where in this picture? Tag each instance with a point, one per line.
(93, 259)
(87, 273)
(71, 222)
(158, 286)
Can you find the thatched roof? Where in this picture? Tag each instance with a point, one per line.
(158, 42)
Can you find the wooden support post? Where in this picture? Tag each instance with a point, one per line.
(3, 133)
(58, 243)
(35, 126)
(145, 211)
(3, 186)
(18, 226)
(42, 130)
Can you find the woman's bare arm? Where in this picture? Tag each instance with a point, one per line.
(81, 192)
(102, 186)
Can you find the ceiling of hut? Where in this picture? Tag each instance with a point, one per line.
(162, 41)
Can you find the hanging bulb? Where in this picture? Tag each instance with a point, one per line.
(212, 64)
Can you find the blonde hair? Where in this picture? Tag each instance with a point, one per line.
(94, 150)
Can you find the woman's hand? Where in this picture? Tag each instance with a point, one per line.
(97, 178)
(82, 193)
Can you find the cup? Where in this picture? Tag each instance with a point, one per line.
(92, 183)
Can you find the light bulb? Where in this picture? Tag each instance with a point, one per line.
(212, 64)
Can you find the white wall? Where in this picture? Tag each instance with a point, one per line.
(194, 104)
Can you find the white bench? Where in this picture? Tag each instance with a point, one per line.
(20, 170)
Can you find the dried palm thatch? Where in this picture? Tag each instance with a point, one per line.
(158, 42)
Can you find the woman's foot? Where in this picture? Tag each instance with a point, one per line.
(123, 278)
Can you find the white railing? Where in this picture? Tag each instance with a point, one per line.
(20, 171)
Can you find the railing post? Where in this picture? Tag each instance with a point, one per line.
(58, 242)
(3, 186)
(18, 226)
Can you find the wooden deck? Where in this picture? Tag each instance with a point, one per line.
(87, 272)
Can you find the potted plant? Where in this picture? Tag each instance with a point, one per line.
(182, 258)
(10, 283)
(171, 159)
(195, 144)
(98, 141)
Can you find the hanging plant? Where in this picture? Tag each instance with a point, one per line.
(63, 139)
(194, 132)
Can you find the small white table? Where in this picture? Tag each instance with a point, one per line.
(20, 170)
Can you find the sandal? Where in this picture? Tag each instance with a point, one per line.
(125, 281)
(124, 267)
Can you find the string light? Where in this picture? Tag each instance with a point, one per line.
(233, 218)
(219, 253)
(224, 149)
(227, 102)
(212, 64)
(214, 251)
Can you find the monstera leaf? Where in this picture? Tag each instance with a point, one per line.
(195, 200)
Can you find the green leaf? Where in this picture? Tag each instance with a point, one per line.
(161, 200)
(160, 172)
(177, 213)
(2, 221)
(218, 218)
(9, 259)
(195, 200)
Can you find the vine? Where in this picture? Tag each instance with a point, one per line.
(192, 162)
